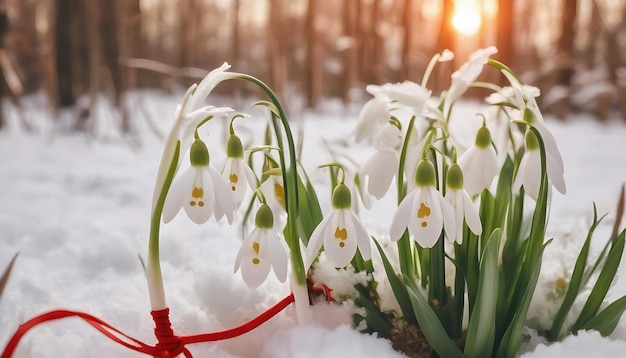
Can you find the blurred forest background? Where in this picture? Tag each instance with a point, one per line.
(76, 52)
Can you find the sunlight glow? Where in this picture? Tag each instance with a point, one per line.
(466, 18)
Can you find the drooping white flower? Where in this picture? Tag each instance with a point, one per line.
(424, 211)
(479, 163)
(341, 232)
(467, 74)
(274, 192)
(189, 113)
(380, 169)
(408, 94)
(200, 190)
(524, 99)
(529, 171)
(373, 116)
(261, 251)
(464, 209)
(236, 171)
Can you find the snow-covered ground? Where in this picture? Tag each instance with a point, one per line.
(77, 210)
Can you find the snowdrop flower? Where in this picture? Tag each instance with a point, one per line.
(341, 232)
(529, 171)
(479, 163)
(467, 74)
(274, 192)
(261, 251)
(408, 94)
(373, 116)
(462, 204)
(524, 99)
(424, 211)
(200, 190)
(235, 171)
(379, 171)
(189, 114)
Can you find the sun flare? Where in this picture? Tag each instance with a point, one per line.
(466, 18)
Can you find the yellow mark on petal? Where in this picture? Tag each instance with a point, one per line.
(256, 261)
(560, 283)
(341, 233)
(201, 204)
(423, 211)
(233, 188)
(279, 191)
(197, 192)
(192, 203)
(424, 224)
(342, 244)
(233, 178)
(256, 247)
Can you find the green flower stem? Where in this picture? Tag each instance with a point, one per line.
(405, 252)
(290, 181)
(155, 279)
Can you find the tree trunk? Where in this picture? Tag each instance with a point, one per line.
(445, 40)
(313, 72)
(63, 56)
(566, 43)
(350, 66)
(407, 38)
(504, 39)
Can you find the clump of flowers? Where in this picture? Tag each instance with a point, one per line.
(469, 226)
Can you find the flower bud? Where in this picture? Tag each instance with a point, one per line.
(234, 148)
(425, 173)
(454, 179)
(264, 218)
(199, 154)
(483, 138)
(342, 199)
(531, 141)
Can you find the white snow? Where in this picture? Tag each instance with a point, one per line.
(77, 210)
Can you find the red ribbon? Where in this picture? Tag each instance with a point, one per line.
(169, 345)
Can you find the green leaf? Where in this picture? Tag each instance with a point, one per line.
(575, 282)
(481, 329)
(5, 275)
(598, 293)
(398, 287)
(606, 321)
(309, 211)
(512, 339)
(430, 325)
(372, 315)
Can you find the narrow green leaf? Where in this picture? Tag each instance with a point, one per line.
(512, 339)
(7, 272)
(309, 211)
(430, 325)
(598, 293)
(481, 329)
(575, 282)
(398, 287)
(606, 321)
(372, 315)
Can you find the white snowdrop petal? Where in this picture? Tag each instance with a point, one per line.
(199, 201)
(401, 217)
(555, 176)
(207, 85)
(532, 174)
(363, 238)
(471, 215)
(250, 177)
(277, 255)
(428, 221)
(316, 241)
(374, 114)
(255, 274)
(453, 198)
(448, 214)
(489, 161)
(245, 251)
(177, 194)
(550, 143)
(340, 241)
(223, 196)
(384, 165)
